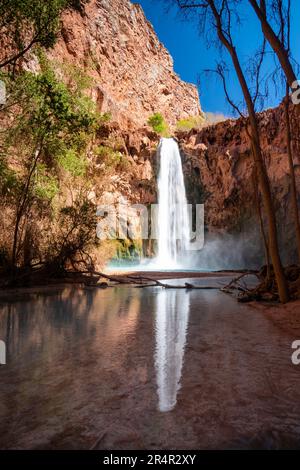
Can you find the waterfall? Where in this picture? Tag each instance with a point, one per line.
(173, 220)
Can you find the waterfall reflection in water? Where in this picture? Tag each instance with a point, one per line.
(81, 363)
(172, 313)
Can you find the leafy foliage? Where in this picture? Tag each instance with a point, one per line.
(26, 23)
(77, 233)
(52, 125)
(73, 163)
(158, 124)
(192, 122)
(111, 158)
(46, 185)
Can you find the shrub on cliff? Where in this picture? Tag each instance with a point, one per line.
(71, 240)
(199, 122)
(191, 122)
(158, 124)
(109, 157)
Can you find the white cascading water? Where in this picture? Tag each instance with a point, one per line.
(173, 220)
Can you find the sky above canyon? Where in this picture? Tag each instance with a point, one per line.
(192, 56)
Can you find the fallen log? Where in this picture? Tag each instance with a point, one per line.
(155, 283)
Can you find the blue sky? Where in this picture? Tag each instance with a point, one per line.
(191, 55)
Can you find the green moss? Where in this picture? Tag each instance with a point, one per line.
(128, 249)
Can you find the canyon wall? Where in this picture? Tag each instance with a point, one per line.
(219, 171)
(132, 72)
(132, 77)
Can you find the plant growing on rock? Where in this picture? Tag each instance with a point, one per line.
(158, 124)
(51, 128)
(192, 122)
(26, 23)
(111, 159)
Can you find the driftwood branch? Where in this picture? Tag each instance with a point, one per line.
(139, 281)
(155, 283)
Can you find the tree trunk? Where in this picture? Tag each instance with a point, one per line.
(272, 232)
(21, 208)
(258, 159)
(274, 42)
(261, 223)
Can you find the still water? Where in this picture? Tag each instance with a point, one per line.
(129, 368)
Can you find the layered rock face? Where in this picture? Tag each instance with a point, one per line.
(219, 164)
(133, 76)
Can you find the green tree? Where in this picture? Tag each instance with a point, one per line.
(25, 23)
(50, 135)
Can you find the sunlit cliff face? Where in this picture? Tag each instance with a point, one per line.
(132, 72)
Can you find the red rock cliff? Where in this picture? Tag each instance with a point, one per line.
(133, 72)
(219, 160)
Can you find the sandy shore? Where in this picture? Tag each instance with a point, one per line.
(286, 317)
